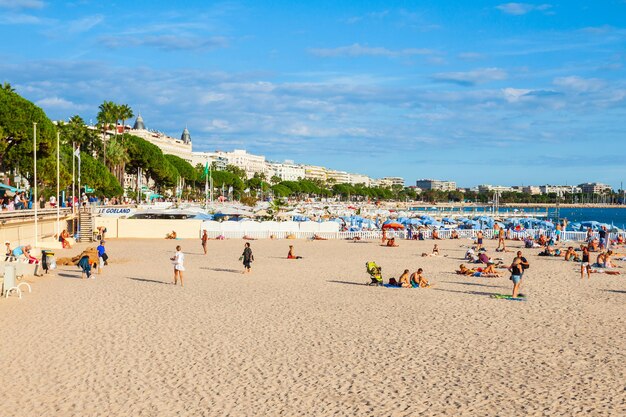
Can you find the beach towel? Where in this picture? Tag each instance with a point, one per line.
(520, 297)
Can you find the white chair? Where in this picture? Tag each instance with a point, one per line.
(9, 284)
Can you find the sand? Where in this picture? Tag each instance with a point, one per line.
(305, 338)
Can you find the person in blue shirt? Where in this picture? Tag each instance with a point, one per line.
(102, 256)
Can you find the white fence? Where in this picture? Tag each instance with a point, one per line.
(281, 232)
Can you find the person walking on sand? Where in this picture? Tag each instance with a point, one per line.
(178, 260)
(479, 239)
(501, 240)
(204, 239)
(247, 258)
(516, 275)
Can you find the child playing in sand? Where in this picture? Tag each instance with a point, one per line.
(247, 258)
(9, 252)
(291, 254)
(204, 239)
(584, 264)
(178, 260)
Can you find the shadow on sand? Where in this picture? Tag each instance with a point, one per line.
(64, 275)
(347, 282)
(472, 283)
(154, 281)
(616, 291)
(466, 292)
(232, 271)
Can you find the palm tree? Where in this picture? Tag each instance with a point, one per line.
(124, 113)
(117, 157)
(7, 87)
(106, 115)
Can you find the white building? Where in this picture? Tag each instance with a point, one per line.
(429, 184)
(360, 179)
(381, 183)
(251, 164)
(594, 188)
(312, 172)
(531, 189)
(287, 171)
(486, 188)
(340, 177)
(559, 189)
(395, 180)
(168, 145)
(214, 159)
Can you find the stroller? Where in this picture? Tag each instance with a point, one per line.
(375, 273)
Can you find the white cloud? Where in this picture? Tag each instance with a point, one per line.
(471, 56)
(84, 24)
(22, 4)
(518, 9)
(21, 19)
(216, 124)
(212, 97)
(579, 84)
(356, 50)
(513, 95)
(57, 103)
(469, 78)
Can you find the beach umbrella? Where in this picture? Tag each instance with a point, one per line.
(392, 224)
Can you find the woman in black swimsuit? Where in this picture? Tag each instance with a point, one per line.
(584, 264)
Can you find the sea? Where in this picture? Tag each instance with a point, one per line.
(612, 216)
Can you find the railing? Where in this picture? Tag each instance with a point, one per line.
(30, 213)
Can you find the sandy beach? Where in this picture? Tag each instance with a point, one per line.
(306, 338)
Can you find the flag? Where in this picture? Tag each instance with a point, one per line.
(206, 169)
(77, 152)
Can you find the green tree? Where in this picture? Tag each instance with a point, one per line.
(107, 116)
(16, 134)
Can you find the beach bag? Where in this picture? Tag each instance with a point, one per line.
(392, 281)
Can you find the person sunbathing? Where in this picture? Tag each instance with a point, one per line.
(454, 235)
(315, 237)
(570, 255)
(593, 245)
(489, 271)
(436, 235)
(417, 279)
(171, 235)
(542, 240)
(404, 280)
(463, 270)
(435, 252)
(291, 254)
(391, 243)
(246, 237)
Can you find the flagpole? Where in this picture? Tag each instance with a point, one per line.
(35, 202)
(79, 194)
(206, 188)
(58, 186)
(211, 182)
(73, 188)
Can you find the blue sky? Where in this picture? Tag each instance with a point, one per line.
(473, 91)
